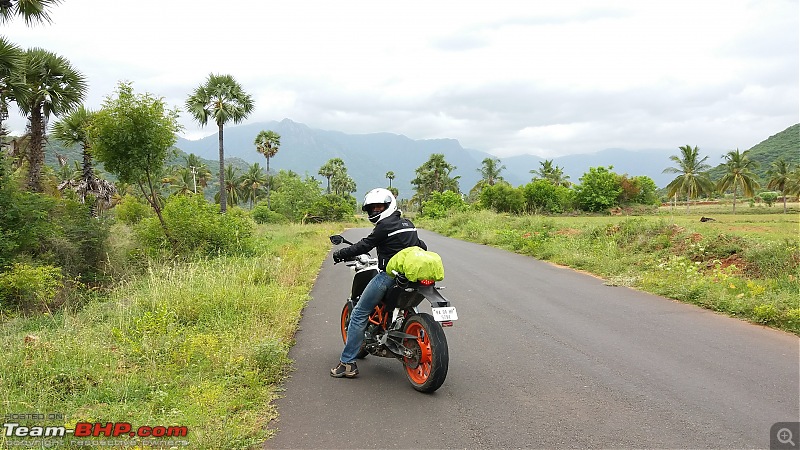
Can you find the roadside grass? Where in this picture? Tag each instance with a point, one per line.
(743, 265)
(201, 344)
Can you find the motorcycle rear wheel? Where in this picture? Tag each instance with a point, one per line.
(345, 322)
(427, 370)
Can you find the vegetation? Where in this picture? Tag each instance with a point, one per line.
(160, 310)
(267, 143)
(732, 265)
(222, 99)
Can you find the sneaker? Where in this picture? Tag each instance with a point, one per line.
(345, 370)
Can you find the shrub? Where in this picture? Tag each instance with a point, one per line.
(132, 210)
(333, 208)
(196, 226)
(261, 214)
(443, 203)
(503, 197)
(29, 286)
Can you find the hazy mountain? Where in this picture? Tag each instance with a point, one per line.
(369, 156)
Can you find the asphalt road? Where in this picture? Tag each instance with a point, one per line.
(544, 357)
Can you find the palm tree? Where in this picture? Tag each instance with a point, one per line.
(490, 170)
(390, 176)
(51, 87)
(267, 143)
(780, 178)
(233, 184)
(200, 173)
(693, 180)
(738, 173)
(330, 169)
(223, 99)
(553, 174)
(11, 58)
(71, 131)
(252, 182)
(181, 182)
(32, 11)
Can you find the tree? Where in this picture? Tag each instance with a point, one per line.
(502, 197)
(222, 99)
(490, 170)
(599, 189)
(390, 176)
(267, 143)
(233, 186)
(434, 176)
(11, 58)
(200, 173)
(132, 136)
(32, 11)
(253, 181)
(331, 168)
(342, 184)
(73, 130)
(779, 178)
(51, 86)
(692, 181)
(553, 174)
(738, 173)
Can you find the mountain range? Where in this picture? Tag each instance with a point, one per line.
(369, 156)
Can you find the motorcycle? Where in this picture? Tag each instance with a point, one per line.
(397, 329)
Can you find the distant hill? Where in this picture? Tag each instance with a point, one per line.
(369, 156)
(785, 144)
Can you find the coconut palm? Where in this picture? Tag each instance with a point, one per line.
(181, 181)
(32, 11)
(233, 186)
(222, 99)
(51, 86)
(490, 170)
(553, 174)
(693, 180)
(738, 173)
(267, 143)
(390, 176)
(253, 182)
(201, 175)
(779, 178)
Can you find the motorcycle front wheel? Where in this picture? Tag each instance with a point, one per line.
(345, 322)
(427, 368)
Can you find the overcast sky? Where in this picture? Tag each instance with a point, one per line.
(548, 78)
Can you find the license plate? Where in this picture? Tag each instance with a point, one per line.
(444, 314)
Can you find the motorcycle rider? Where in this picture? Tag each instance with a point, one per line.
(391, 234)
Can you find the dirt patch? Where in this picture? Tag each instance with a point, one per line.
(568, 232)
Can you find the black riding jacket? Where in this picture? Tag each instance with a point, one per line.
(389, 236)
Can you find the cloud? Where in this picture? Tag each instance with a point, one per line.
(550, 78)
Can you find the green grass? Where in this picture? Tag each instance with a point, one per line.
(744, 265)
(201, 344)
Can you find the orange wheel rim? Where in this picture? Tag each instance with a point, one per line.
(344, 324)
(422, 371)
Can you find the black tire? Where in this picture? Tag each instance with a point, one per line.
(345, 322)
(428, 369)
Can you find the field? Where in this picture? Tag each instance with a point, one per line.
(745, 265)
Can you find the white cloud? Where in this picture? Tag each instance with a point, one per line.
(512, 77)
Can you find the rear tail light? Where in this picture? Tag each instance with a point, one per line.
(426, 282)
(449, 323)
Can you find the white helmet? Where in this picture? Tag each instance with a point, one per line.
(379, 196)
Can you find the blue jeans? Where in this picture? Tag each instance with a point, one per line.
(371, 296)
